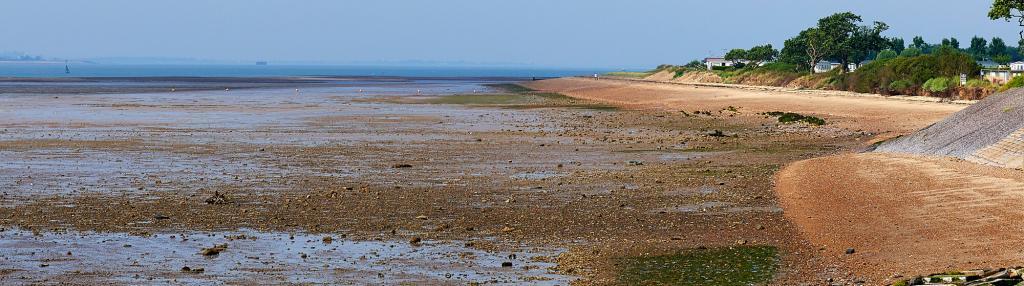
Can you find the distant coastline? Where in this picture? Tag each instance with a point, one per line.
(55, 69)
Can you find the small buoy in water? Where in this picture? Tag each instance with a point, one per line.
(227, 89)
(360, 90)
(172, 90)
(417, 91)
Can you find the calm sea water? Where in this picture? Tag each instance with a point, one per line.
(103, 70)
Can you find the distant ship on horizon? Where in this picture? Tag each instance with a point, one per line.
(67, 70)
(261, 63)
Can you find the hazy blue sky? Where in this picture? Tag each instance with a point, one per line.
(577, 33)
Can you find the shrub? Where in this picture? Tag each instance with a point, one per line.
(938, 85)
(886, 55)
(695, 64)
(978, 83)
(679, 73)
(903, 74)
(789, 117)
(780, 67)
(1016, 82)
(910, 52)
(900, 86)
(721, 68)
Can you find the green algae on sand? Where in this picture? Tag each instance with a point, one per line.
(748, 265)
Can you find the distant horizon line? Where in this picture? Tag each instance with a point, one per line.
(397, 64)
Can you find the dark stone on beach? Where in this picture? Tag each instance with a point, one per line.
(218, 199)
(850, 250)
(401, 166)
(215, 250)
(415, 241)
(506, 264)
(160, 216)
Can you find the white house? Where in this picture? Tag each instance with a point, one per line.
(1002, 74)
(721, 62)
(1017, 66)
(825, 66)
(716, 62)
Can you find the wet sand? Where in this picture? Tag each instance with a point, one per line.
(559, 181)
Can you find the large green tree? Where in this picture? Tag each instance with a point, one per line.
(836, 37)
(735, 55)
(794, 51)
(866, 41)
(1008, 10)
(997, 49)
(840, 36)
(978, 48)
(896, 44)
(762, 53)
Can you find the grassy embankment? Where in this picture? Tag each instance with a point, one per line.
(935, 75)
(627, 74)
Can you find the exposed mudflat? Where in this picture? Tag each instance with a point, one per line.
(570, 185)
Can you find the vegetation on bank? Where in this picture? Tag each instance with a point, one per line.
(627, 74)
(789, 117)
(867, 62)
(750, 265)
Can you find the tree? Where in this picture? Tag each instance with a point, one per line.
(919, 43)
(836, 37)
(1002, 59)
(865, 41)
(896, 44)
(735, 55)
(910, 52)
(760, 54)
(794, 52)
(953, 42)
(886, 54)
(978, 48)
(1020, 47)
(1008, 10)
(997, 46)
(818, 45)
(836, 33)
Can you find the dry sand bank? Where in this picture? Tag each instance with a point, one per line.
(906, 215)
(872, 114)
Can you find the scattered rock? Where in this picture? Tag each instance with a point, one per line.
(415, 241)
(328, 239)
(850, 250)
(187, 269)
(635, 163)
(216, 249)
(421, 217)
(218, 199)
(160, 217)
(401, 166)
(506, 264)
